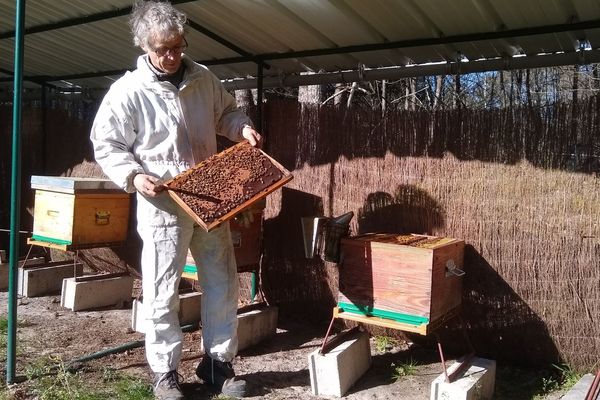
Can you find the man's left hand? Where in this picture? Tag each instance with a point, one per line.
(250, 134)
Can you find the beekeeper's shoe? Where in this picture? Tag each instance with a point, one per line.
(166, 386)
(221, 375)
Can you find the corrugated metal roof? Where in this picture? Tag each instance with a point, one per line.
(93, 54)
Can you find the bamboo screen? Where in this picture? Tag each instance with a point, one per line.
(520, 186)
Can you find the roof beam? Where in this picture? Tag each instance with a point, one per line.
(547, 29)
(222, 41)
(119, 13)
(466, 67)
(470, 37)
(79, 20)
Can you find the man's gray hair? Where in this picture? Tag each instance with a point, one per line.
(155, 20)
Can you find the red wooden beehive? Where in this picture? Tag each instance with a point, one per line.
(411, 279)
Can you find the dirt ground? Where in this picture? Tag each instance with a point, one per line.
(276, 369)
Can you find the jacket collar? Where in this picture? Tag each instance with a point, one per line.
(192, 69)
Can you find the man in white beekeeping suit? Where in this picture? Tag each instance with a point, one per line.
(154, 123)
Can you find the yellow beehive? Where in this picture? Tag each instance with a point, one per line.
(79, 212)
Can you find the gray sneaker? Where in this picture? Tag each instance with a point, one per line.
(166, 386)
(221, 375)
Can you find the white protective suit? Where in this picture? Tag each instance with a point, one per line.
(147, 126)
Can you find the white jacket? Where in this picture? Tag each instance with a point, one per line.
(147, 126)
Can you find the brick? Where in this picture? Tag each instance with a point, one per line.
(5, 266)
(46, 279)
(96, 291)
(189, 311)
(256, 325)
(333, 373)
(476, 383)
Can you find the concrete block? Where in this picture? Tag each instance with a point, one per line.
(190, 305)
(189, 311)
(95, 291)
(333, 373)
(580, 389)
(5, 266)
(256, 325)
(45, 279)
(475, 383)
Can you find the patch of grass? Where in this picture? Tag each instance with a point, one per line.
(384, 343)
(4, 338)
(3, 335)
(4, 395)
(126, 387)
(50, 379)
(563, 379)
(533, 383)
(404, 369)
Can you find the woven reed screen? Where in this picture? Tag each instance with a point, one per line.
(520, 186)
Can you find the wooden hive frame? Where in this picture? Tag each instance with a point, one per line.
(209, 225)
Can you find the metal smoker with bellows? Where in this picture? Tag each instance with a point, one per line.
(322, 235)
(409, 282)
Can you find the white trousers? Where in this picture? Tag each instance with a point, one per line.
(167, 232)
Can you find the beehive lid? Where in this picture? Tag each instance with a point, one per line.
(226, 183)
(412, 240)
(68, 184)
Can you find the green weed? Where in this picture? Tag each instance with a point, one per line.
(126, 387)
(564, 380)
(3, 336)
(404, 369)
(383, 343)
(533, 383)
(50, 379)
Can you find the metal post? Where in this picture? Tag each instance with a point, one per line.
(259, 97)
(15, 196)
(259, 123)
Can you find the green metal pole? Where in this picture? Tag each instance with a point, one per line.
(15, 211)
(253, 287)
(259, 123)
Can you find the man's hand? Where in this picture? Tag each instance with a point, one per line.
(148, 185)
(252, 136)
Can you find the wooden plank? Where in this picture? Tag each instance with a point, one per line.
(386, 323)
(446, 288)
(71, 247)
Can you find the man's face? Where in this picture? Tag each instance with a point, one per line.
(165, 55)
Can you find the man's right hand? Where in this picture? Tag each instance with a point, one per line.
(147, 185)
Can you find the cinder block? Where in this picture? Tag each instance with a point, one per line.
(333, 373)
(5, 266)
(580, 389)
(189, 311)
(475, 383)
(190, 305)
(256, 325)
(95, 291)
(44, 279)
